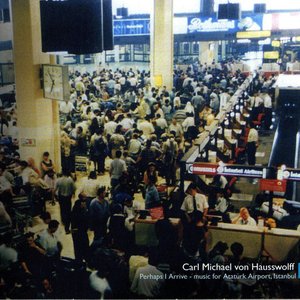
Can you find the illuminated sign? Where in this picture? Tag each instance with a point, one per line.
(253, 34)
(291, 174)
(271, 55)
(275, 44)
(226, 170)
(131, 27)
(212, 24)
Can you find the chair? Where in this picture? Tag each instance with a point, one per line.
(259, 120)
(230, 186)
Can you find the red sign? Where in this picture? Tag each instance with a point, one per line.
(272, 185)
(203, 169)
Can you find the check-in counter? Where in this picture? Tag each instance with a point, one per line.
(279, 242)
(250, 237)
(145, 231)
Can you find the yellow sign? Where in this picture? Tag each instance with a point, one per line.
(276, 44)
(253, 34)
(158, 80)
(271, 55)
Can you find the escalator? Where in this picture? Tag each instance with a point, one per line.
(285, 148)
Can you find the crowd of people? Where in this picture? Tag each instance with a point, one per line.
(136, 134)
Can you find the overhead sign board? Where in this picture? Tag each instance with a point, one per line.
(225, 170)
(253, 34)
(291, 174)
(271, 54)
(212, 24)
(131, 27)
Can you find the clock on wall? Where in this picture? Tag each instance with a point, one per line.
(56, 82)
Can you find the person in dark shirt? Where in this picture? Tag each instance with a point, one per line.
(33, 258)
(79, 227)
(146, 156)
(117, 229)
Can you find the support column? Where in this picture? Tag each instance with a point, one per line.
(117, 53)
(223, 55)
(208, 52)
(162, 44)
(38, 119)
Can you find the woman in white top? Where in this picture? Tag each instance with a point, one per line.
(189, 108)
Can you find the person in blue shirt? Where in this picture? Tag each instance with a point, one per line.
(99, 213)
(152, 198)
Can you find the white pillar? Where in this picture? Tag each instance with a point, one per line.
(162, 44)
(38, 120)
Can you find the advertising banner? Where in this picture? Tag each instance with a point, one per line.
(131, 27)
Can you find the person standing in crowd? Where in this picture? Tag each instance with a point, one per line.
(65, 189)
(99, 213)
(79, 228)
(252, 144)
(33, 257)
(170, 151)
(150, 288)
(98, 151)
(50, 180)
(176, 127)
(267, 108)
(187, 124)
(49, 240)
(89, 188)
(134, 146)
(146, 156)
(257, 105)
(67, 145)
(46, 164)
(81, 143)
(117, 168)
(194, 202)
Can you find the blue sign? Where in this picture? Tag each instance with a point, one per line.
(131, 27)
(246, 23)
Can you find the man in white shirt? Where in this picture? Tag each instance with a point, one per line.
(127, 122)
(161, 122)
(252, 144)
(110, 128)
(148, 280)
(66, 107)
(146, 127)
(188, 122)
(194, 202)
(244, 218)
(268, 109)
(176, 127)
(257, 105)
(134, 146)
(48, 239)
